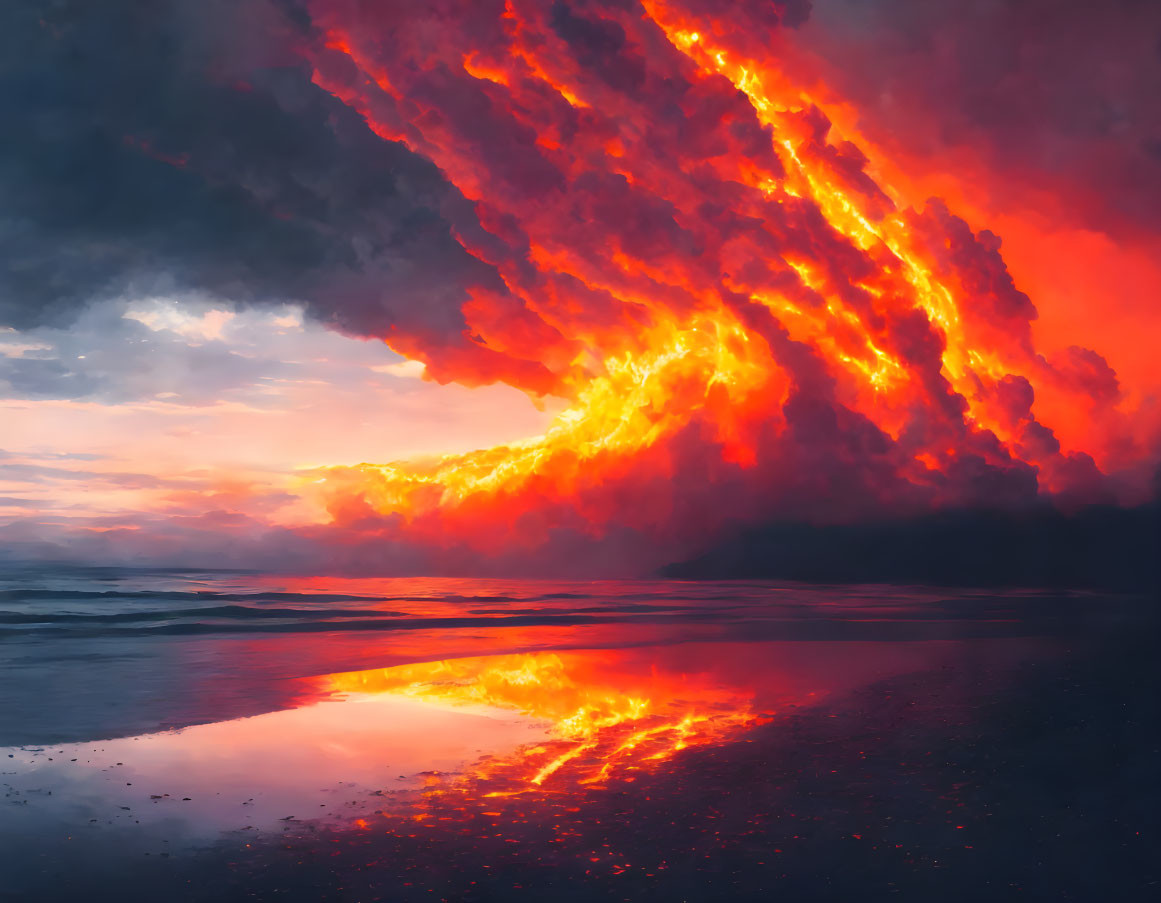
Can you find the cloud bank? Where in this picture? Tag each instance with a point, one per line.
(637, 207)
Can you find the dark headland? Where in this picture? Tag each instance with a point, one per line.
(1097, 548)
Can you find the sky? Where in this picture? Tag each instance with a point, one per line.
(571, 287)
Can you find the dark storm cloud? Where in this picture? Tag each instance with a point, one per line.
(173, 146)
(600, 45)
(1061, 93)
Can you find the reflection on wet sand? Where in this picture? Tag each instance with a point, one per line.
(602, 716)
(483, 727)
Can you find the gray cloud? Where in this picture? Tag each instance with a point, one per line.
(104, 356)
(6, 455)
(43, 473)
(172, 146)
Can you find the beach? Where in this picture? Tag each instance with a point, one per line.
(236, 735)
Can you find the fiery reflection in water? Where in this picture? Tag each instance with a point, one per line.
(606, 715)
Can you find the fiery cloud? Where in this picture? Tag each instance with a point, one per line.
(745, 315)
(754, 289)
